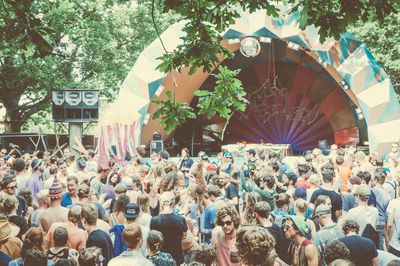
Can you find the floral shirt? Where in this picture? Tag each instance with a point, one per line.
(162, 259)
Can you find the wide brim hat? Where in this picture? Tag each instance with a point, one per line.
(7, 230)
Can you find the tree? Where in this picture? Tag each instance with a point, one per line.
(67, 44)
(383, 41)
(206, 20)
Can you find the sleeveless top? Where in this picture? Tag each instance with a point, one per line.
(223, 253)
(61, 254)
(301, 256)
(156, 210)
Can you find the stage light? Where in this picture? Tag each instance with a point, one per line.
(146, 119)
(159, 90)
(250, 47)
(293, 46)
(344, 85)
(322, 62)
(265, 40)
(233, 41)
(359, 114)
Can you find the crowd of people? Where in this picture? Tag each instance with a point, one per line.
(331, 207)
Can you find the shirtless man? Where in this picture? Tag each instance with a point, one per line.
(55, 213)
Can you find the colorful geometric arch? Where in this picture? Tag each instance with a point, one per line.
(345, 60)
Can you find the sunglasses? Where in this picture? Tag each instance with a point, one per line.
(12, 187)
(287, 226)
(222, 223)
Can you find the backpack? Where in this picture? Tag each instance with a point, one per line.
(370, 233)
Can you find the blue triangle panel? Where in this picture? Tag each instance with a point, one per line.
(153, 86)
(265, 33)
(143, 110)
(232, 34)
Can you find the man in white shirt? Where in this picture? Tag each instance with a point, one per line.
(133, 238)
(363, 214)
(393, 226)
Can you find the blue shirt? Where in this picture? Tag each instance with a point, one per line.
(4, 259)
(66, 200)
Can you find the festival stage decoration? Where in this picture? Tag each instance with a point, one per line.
(365, 95)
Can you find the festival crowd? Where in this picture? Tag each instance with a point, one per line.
(336, 206)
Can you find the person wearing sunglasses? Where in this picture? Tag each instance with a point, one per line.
(303, 252)
(9, 188)
(224, 237)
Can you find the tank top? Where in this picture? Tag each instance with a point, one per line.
(156, 210)
(300, 258)
(224, 253)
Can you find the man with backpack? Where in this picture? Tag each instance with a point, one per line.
(367, 217)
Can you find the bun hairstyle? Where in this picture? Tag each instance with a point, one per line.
(301, 205)
(281, 199)
(155, 240)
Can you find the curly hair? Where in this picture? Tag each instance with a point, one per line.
(336, 250)
(255, 245)
(205, 254)
(228, 211)
(350, 226)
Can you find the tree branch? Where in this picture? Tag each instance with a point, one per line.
(29, 110)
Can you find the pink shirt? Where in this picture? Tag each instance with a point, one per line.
(223, 252)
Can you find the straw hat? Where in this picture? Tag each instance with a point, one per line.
(7, 230)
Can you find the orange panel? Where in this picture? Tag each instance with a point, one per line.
(333, 103)
(346, 136)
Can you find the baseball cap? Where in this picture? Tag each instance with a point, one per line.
(132, 211)
(322, 210)
(363, 190)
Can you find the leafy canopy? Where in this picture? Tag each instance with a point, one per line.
(172, 114)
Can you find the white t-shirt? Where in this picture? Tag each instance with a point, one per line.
(394, 208)
(363, 216)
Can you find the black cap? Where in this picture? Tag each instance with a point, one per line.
(132, 211)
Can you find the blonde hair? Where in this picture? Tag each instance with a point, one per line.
(301, 205)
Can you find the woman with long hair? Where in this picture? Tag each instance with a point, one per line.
(117, 216)
(144, 218)
(248, 214)
(154, 200)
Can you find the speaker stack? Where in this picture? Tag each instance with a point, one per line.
(156, 145)
(75, 105)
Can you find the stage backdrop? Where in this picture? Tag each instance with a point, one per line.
(342, 70)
